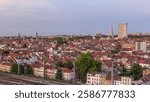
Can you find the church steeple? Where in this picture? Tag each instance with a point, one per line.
(111, 32)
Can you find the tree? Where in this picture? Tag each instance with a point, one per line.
(59, 74)
(60, 40)
(114, 51)
(68, 64)
(24, 46)
(136, 71)
(29, 70)
(86, 63)
(59, 64)
(6, 52)
(98, 66)
(14, 68)
(125, 72)
(24, 69)
(71, 39)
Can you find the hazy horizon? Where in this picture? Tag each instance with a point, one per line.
(73, 16)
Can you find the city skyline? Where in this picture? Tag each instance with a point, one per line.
(72, 17)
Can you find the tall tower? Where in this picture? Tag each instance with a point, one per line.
(19, 35)
(111, 32)
(37, 35)
(122, 30)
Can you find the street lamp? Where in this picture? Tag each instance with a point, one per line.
(112, 73)
(74, 71)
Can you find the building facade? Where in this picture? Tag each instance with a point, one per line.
(98, 79)
(93, 79)
(50, 73)
(123, 81)
(5, 67)
(122, 30)
(67, 74)
(140, 46)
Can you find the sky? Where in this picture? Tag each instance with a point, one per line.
(72, 16)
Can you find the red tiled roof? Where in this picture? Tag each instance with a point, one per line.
(66, 70)
(142, 61)
(127, 49)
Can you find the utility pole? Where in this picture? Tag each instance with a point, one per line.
(45, 59)
(43, 69)
(19, 67)
(74, 72)
(112, 68)
(19, 64)
(112, 73)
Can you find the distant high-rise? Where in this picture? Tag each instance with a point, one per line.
(37, 35)
(19, 35)
(122, 30)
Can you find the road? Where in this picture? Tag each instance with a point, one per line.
(11, 79)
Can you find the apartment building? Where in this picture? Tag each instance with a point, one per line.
(140, 46)
(97, 79)
(5, 67)
(123, 81)
(67, 74)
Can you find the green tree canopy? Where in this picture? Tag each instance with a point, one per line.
(86, 63)
(60, 40)
(136, 71)
(24, 69)
(6, 52)
(28, 70)
(24, 46)
(114, 51)
(68, 64)
(14, 68)
(59, 64)
(59, 74)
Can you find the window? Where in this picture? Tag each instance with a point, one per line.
(88, 82)
(89, 75)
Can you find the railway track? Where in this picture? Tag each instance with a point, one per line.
(12, 80)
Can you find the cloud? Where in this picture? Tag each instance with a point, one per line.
(27, 5)
(70, 15)
(133, 7)
(26, 15)
(28, 9)
(4, 3)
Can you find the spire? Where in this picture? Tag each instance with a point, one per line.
(111, 32)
